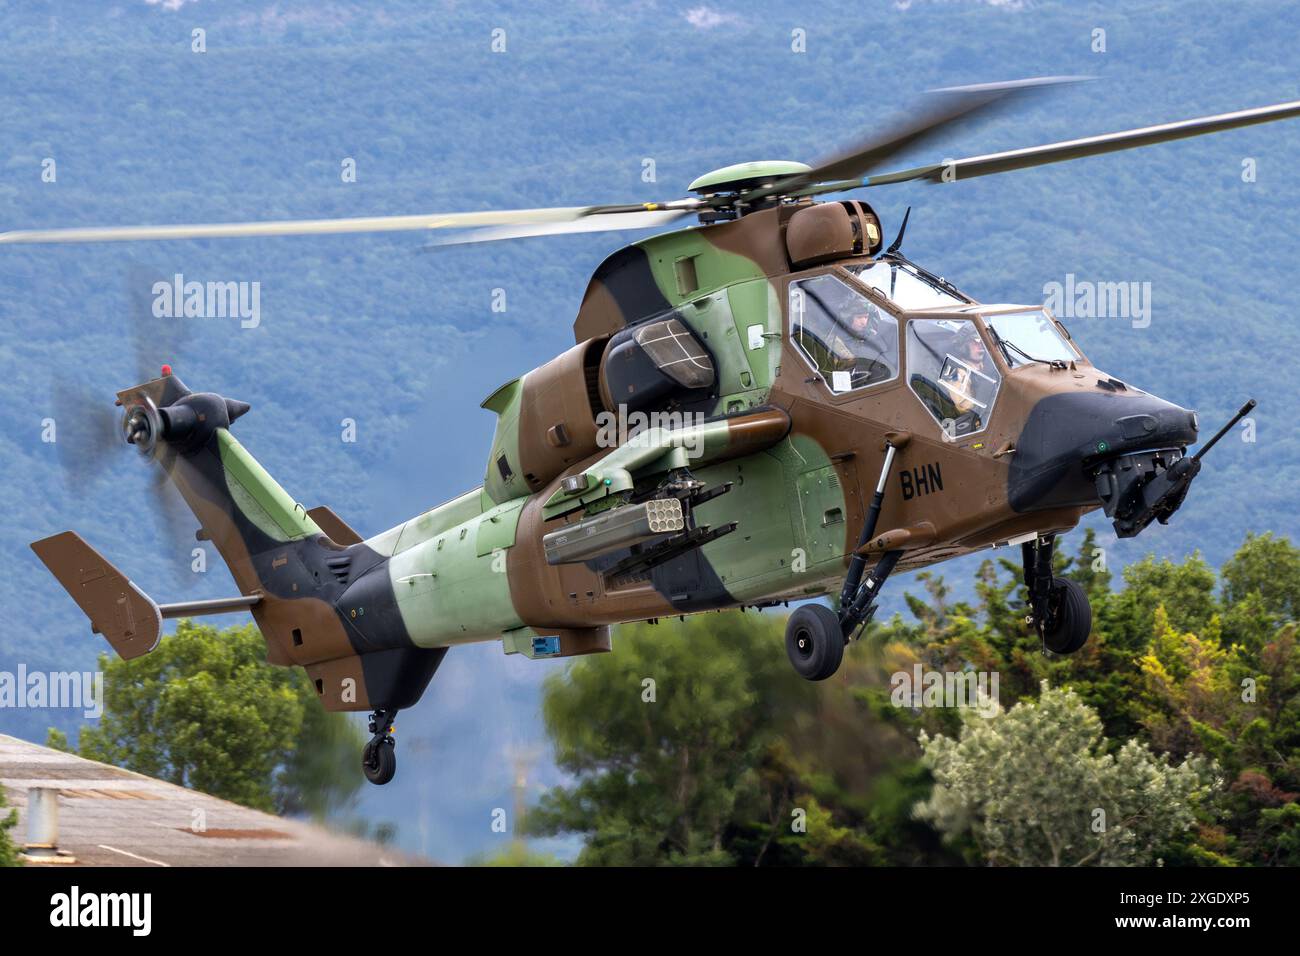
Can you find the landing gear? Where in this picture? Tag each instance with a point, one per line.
(1069, 618)
(814, 641)
(379, 758)
(1059, 608)
(815, 635)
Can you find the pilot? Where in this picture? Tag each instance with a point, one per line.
(865, 324)
(973, 351)
(957, 378)
(862, 345)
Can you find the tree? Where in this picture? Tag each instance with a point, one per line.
(1191, 698)
(318, 777)
(8, 852)
(1035, 786)
(1270, 567)
(1185, 590)
(729, 757)
(205, 710)
(516, 854)
(1261, 589)
(663, 737)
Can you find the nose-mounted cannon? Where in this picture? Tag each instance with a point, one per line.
(1142, 487)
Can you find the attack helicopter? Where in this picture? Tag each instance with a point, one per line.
(817, 412)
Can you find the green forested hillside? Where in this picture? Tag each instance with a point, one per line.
(403, 340)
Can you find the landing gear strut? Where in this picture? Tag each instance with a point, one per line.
(815, 635)
(1058, 607)
(379, 758)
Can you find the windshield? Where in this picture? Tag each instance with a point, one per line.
(900, 282)
(1027, 337)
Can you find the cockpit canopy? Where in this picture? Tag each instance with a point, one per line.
(950, 371)
(955, 358)
(852, 342)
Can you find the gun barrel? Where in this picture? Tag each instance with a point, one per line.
(1241, 413)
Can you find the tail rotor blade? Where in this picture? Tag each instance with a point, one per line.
(85, 432)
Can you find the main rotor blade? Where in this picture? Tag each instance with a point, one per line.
(1031, 156)
(597, 222)
(302, 227)
(936, 116)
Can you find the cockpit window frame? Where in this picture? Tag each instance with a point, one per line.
(990, 332)
(836, 271)
(982, 313)
(961, 299)
(981, 330)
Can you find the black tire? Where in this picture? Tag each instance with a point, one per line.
(814, 641)
(1069, 617)
(379, 760)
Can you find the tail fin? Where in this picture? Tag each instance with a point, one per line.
(241, 509)
(293, 568)
(275, 550)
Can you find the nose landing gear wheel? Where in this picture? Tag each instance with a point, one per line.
(814, 641)
(1059, 608)
(1069, 617)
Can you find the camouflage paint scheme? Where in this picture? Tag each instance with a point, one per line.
(371, 619)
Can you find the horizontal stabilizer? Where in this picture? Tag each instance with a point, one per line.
(118, 609)
(125, 615)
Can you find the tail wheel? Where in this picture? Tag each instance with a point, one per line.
(814, 641)
(1069, 617)
(379, 760)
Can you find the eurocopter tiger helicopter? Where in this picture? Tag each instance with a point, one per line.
(820, 413)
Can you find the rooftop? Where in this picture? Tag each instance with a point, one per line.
(114, 817)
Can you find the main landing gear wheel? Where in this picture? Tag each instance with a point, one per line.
(815, 641)
(379, 758)
(1069, 617)
(815, 635)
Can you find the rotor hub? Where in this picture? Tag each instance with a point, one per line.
(142, 426)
